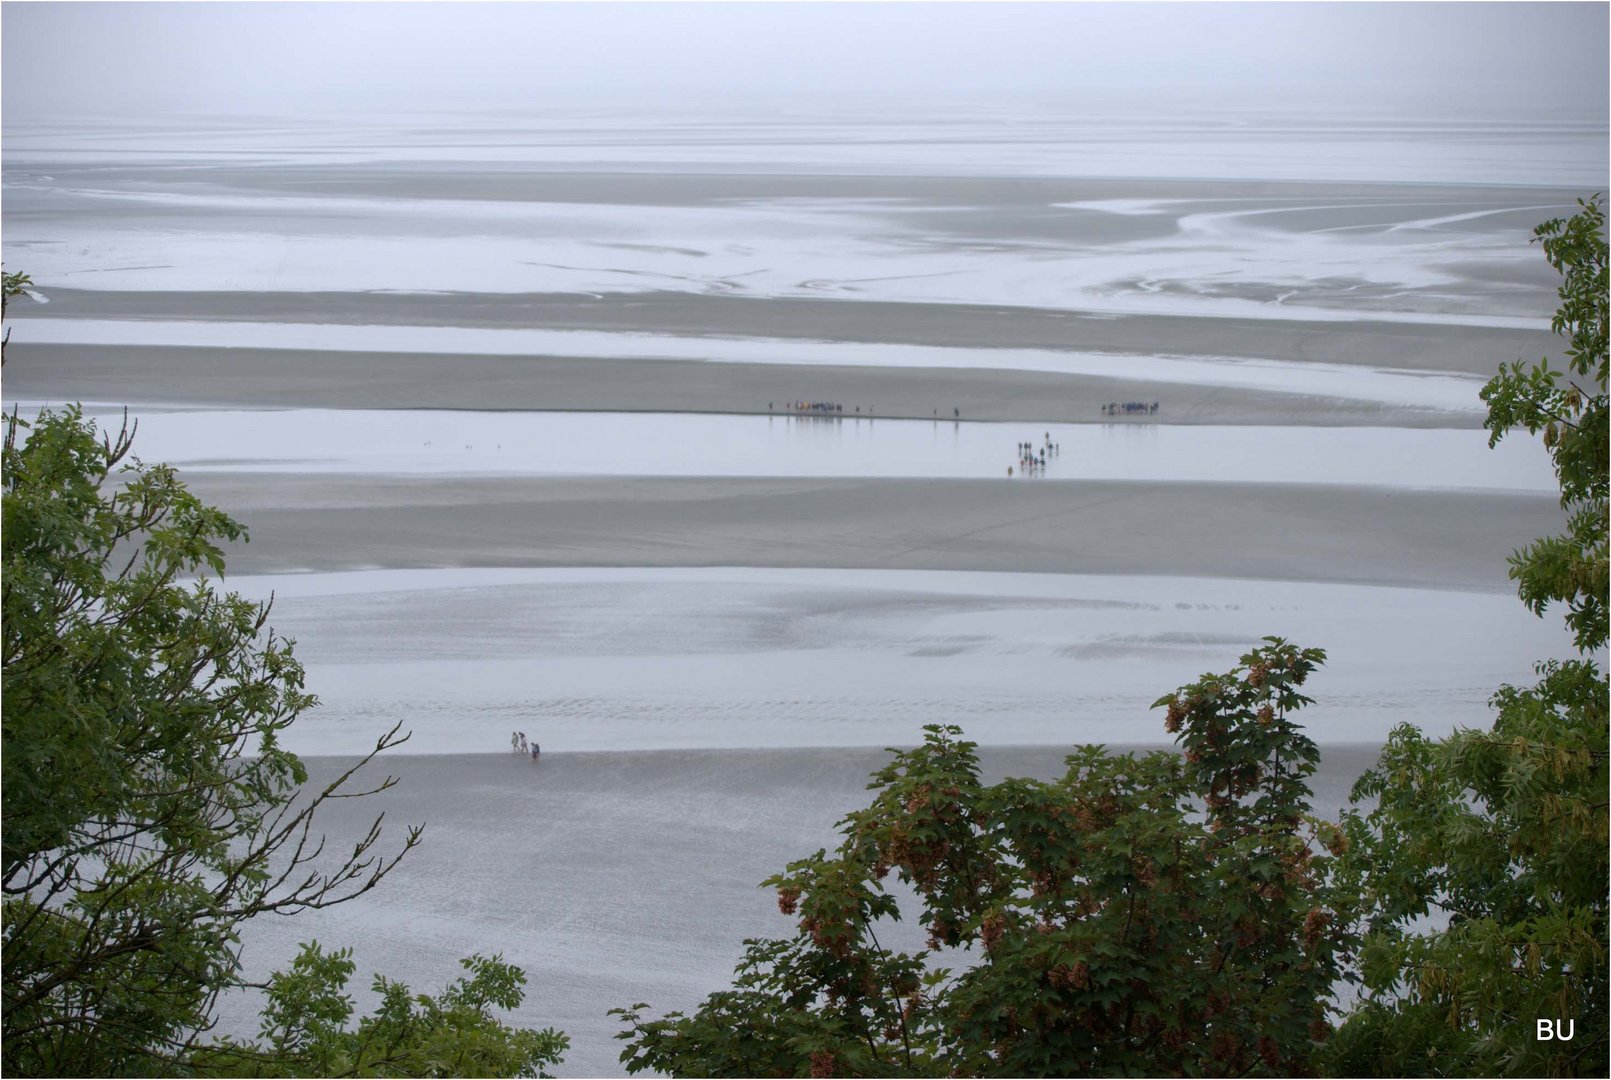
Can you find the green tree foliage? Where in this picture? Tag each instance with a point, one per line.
(1482, 872)
(1569, 408)
(149, 809)
(306, 1027)
(10, 285)
(1162, 914)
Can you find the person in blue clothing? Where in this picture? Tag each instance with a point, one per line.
(536, 751)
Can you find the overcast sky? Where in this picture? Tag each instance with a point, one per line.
(1419, 60)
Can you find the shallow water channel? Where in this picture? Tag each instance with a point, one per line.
(405, 442)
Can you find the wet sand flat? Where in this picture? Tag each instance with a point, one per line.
(607, 445)
(1271, 531)
(528, 182)
(404, 241)
(628, 872)
(610, 878)
(616, 876)
(1475, 350)
(292, 378)
(675, 658)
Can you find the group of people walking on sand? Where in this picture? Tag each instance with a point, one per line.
(1030, 458)
(517, 742)
(817, 408)
(812, 406)
(1114, 408)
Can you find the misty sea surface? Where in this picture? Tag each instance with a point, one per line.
(703, 725)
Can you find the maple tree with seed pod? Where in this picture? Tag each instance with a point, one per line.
(1158, 913)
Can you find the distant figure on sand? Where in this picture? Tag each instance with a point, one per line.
(514, 741)
(522, 742)
(536, 751)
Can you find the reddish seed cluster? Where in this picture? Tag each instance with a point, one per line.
(1314, 925)
(822, 1063)
(1078, 977)
(991, 929)
(897, 849)
(1299, 871)
(789, 899)
(919, 858)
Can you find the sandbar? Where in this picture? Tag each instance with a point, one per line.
(1436, 346)
(1360, 535)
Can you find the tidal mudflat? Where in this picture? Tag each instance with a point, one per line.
(650, 659)
(506, 408)
(791, 441)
